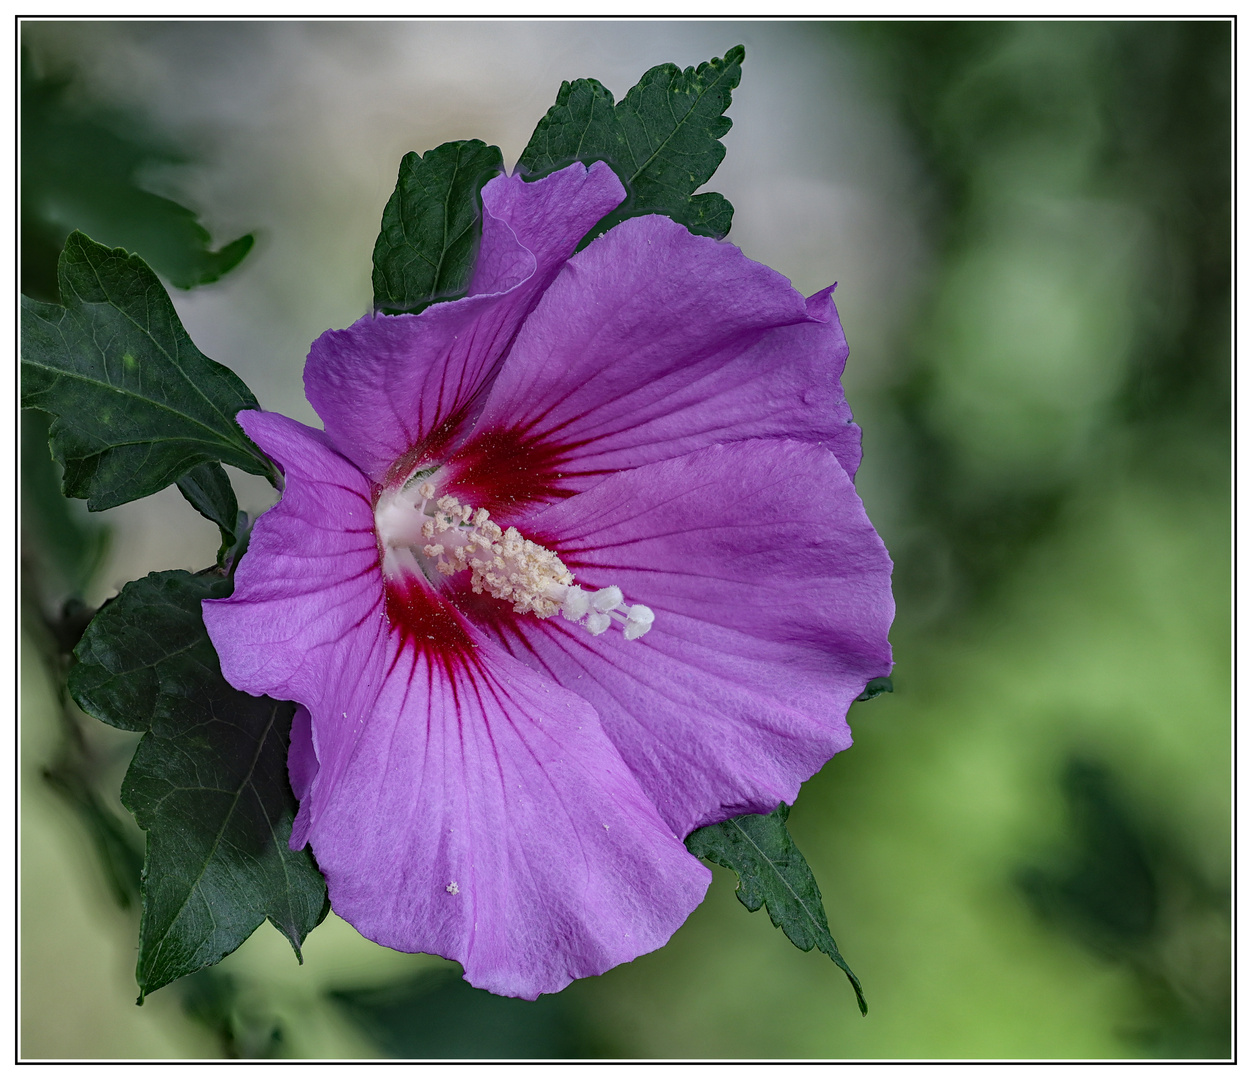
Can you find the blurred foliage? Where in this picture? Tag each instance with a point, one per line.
(1078, 319)
(83, 167)
(118, 850)
(82, 768)
(1109, 641)
(1133, 895)
(1076, 326)
(439, 1015)
(1081, 219)
(242, 1025)
(61, 551)
(71, 548)
(1108, 890)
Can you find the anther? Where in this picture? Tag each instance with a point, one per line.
(501, 562)
(576, 603)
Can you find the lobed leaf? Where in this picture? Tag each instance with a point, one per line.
(773, 872)
(145, 650)
(663, 139)
(208, 782)
(431, 226)
(135, 404)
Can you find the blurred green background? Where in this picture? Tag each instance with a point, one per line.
(1027, 851)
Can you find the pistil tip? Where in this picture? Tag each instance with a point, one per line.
(606, 599)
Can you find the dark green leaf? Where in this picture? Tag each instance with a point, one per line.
(207, 488)
(581, 126)
(136, 404)
(771, 870)
(875, 687)
(208, 783)
(214, 800)
(431, 226)
(663, 139)
(80, 169)
(146, 650)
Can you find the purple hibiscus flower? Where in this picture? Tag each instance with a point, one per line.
(647, 437)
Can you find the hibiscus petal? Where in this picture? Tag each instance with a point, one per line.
(458, 804)
(404, 386)
(308, 594)
(486, 817)
(546, 218)
(301, 770)
(653, 343)
(772, 599)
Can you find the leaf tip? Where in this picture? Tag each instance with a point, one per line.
(875, 687)
(856, 987)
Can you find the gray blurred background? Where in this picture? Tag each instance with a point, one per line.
(1026, 853)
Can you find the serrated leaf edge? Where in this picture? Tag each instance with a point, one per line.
(722, 72)
(823, 931)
